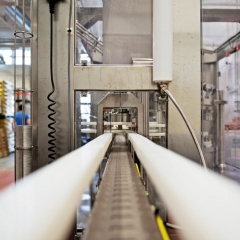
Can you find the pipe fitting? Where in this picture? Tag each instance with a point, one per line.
(163, 86)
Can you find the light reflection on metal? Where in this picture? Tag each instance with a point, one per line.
(23, 134)
(19, 17)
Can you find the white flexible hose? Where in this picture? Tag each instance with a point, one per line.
(188, 126)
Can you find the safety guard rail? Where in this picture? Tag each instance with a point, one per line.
(43, 205)
(204, 204)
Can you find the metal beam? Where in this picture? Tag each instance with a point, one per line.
(88, 16)
(10, 42)
(7, 2)
(227, 46)
(127, 77)
(218, 4)
(221, 15)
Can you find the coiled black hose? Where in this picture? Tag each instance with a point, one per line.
(52, 140)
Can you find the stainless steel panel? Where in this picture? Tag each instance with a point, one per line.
(120, 118)
(121, 209)
(117, 100)
(229, 85)
(23, 164)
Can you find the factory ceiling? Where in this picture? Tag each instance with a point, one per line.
(219, 14)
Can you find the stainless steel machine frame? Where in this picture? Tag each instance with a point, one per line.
(185, 85)
(119, 100)
(186, 52)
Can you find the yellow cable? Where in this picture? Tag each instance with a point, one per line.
(138, 170)
(162, 228)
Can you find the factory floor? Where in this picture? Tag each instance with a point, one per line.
(6, 171)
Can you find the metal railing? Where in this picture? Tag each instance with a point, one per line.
(203, 203)
(88, 37)
(43, 205)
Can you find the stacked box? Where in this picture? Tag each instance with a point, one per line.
(7, 112)
(3, 143)
(7, 98)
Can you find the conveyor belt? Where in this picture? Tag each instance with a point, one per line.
(121, 210)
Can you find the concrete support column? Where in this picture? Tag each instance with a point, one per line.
(186, 85)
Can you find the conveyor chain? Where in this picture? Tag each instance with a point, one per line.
(121, 210)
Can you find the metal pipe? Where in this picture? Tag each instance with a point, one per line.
(23, 155)
(87, 32)
(34, 84)
(90, 43)
(22, 152)
(217, 156)
(226, 46)
(89, 38)
(194, 137)
(222, 132)
(145, 102)
(70, 120)
(15, 82)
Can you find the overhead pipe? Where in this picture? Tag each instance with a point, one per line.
(228, 47)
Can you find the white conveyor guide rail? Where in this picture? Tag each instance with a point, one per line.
(205, 204)
(43, 205)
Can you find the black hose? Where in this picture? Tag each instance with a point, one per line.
(52, 140)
